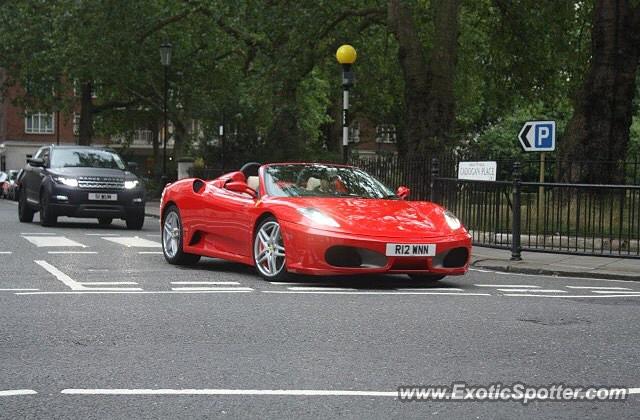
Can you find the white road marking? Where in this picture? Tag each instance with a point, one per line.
(480, 271)
(71, 252)
(536, 291)
(372, 293)
(205, 282)
(71, 283)
(37, 233)
(281, 392)
(133, 241)
(50, 241)
(309, 288)
(123, 291)
(568, 296)
(5, 252)
(616, 291)
(106, 283)
(508, 285)
(155, 235)
(102, 234)
(68, 281)
(556, 277)
(150, 252)
(18, 290)
(12, 392)
(210, 288)
(598, 287)
(430, 289)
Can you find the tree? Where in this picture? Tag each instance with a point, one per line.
(599, 128)
(429, 82)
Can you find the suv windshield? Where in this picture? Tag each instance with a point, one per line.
(86, 158)
(317, 180)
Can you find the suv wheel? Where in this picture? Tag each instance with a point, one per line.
(135, 221)
(47, 217)
(25, 213)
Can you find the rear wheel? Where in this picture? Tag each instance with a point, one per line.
(426, 277)
(25, 213)
(47, 217)
(172, 237)
(268, 250)
(105, 221)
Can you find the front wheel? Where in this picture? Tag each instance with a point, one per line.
(426, 277)
(134, 221)
(268, 250)
(172, 237)
(25, 213)
(47, 217)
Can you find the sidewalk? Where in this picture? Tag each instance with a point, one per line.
(534, 262)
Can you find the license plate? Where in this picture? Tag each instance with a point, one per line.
(411, 250)
(103, 197)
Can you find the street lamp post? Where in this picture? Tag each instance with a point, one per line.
(165, 59)
(346, 56)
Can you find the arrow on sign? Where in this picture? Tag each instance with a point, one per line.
(523, 136)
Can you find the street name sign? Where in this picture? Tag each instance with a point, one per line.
(538, 136)
(477, 171)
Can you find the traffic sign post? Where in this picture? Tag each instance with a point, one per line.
(539, 136)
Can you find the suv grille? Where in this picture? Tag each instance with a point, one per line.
(100, 183)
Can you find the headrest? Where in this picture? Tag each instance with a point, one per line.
(253, 182)
(237, 177)
(312, 183)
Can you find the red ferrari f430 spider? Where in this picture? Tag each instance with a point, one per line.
(312, 219)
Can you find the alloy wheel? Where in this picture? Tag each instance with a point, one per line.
(268, 249)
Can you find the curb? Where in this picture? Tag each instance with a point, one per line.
(547, 272)
(157, 216)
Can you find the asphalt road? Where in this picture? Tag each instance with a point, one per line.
(86, 310)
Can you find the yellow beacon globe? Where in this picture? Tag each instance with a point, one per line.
(346, 54)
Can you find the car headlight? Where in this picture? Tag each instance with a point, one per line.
(69, 182)
(317, 217)
(453, 222)
(129, 185)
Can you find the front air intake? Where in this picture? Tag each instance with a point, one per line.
(351, 257)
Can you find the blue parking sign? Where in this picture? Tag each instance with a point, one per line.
(538, 136)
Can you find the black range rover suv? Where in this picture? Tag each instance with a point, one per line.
(79, 181)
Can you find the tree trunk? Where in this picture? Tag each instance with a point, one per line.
(599, 128)
(85, 133)
(429, 94)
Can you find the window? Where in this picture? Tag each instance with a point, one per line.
(354, 132)
(386, 133)
(143, 136)
(76, 124)
(38, 123)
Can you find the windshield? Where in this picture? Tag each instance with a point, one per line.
(317, 180)
(86, 158)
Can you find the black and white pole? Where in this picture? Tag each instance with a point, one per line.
(346, 56)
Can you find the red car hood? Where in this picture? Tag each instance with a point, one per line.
(371, 217)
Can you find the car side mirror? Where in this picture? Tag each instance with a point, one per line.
(240, 187)
(38, 163)
(403, 193)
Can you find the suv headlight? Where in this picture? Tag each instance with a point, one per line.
(453, 222)
(317, 217)
(129, 185)
(69, 182)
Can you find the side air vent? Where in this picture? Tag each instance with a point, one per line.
(198, 186)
